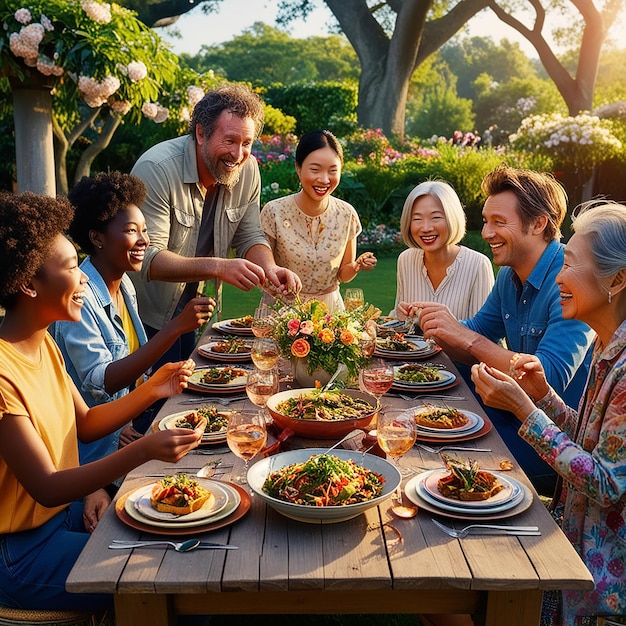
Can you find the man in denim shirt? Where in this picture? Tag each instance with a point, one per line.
(522, 217)
(203, 198)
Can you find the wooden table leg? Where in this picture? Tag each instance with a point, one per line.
(513, 608)
(132, 609)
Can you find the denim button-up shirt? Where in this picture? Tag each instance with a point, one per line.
(89, 346)
(529, 317)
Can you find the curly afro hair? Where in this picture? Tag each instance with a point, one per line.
(29, 223)
(98, 199)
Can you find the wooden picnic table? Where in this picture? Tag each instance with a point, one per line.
(374, 563)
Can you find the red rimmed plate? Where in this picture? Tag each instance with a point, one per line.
(234, 386)
(208, 352)
(125, 514)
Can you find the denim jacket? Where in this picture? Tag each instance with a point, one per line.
(90, 345)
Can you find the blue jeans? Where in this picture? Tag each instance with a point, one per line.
(34, 565)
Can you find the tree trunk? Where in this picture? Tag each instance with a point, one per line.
(104, 138)
(34, 153)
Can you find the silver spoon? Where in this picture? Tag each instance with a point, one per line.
(341, 368)
(179, 546)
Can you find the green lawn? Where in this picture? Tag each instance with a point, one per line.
(379, 288)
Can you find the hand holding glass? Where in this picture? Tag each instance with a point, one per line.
(246, 436)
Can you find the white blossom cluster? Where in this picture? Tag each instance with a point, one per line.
(25, 44)
(136, 70)
(155, 112)
(48, 67)
(121, 107)
(98, 11)
(583, 137)
(194, 95)
(97, 92)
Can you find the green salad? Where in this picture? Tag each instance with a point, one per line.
(331, 405)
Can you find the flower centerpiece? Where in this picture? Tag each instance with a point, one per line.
(308, 331)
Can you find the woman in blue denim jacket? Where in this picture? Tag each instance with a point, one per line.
(107, 352)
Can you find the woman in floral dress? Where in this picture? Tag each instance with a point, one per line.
(586, 447)
(313, 233)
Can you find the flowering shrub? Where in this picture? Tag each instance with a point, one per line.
(92, 50)
(269, 148)
(308, 330)
(583, 140)
(380, 238)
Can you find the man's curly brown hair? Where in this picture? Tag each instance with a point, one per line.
(98, 199)
(29, 223)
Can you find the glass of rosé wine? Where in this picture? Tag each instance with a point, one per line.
(396, 431)
(261, 386)
(376, 378)
(246, 435)
(265, 353)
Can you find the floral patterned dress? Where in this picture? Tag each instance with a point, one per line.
(588, 449)
(312, 247)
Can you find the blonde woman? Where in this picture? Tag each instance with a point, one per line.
(435, 268)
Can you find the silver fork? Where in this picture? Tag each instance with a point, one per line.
(440, 448)
(430, 395)
(488, 529)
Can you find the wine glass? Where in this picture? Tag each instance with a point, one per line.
(246, 435)
(265, 353)
(396, 431)
(262, 325)
(353, 299)
(261, 386)
(377, 378)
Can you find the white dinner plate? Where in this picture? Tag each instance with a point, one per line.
(207, 351)
(237, 383)
(216, 503)
(445, 378)
(183, 522)
(169, 422)
(226, 327)
(475, 422)
(509, 493)
(418, 494)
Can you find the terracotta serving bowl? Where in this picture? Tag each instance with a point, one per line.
(319, 429)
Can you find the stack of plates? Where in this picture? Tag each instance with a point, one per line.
(474, 424)
(446, 379)
(423, 349)
(513, 499)
(227, 504)
(235, 385)
(227, 327)
(208, 350)
(207, 439)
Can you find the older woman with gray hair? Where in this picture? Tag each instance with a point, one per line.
(586, 447)
(435, 268)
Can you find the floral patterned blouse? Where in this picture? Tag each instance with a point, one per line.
(588, 449)
(312, 247)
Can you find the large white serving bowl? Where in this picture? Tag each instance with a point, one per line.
(322, 514)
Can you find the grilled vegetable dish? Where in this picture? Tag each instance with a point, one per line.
(242, 322)
(441, 417)
(178, 494)
(415, 373)
(466, 481)
(232, 346)
(222, 375)
(396, 343)
(216, 421)
(331, 405)
(324, 480)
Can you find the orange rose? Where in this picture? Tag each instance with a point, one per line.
(346, 337)
(300, 347)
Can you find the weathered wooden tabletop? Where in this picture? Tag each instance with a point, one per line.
(374, 563)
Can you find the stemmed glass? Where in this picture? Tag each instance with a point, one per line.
(260, 387)
(265, 353)
(246, 435)
(353, 299)
(262, 323)
(396, 431)
(377, 378)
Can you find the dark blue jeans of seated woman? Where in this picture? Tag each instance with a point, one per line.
(34, 565)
